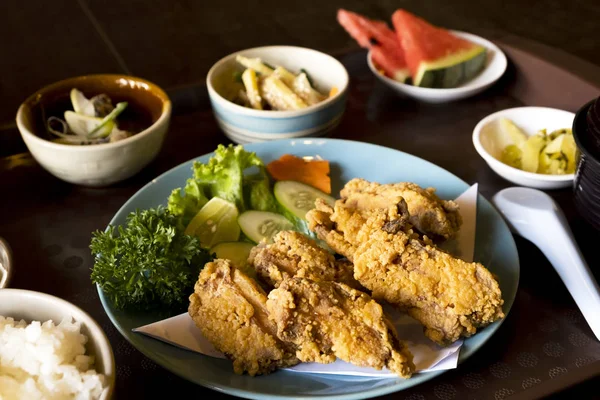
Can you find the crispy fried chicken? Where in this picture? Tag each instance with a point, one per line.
(230, 310)
(293, 254)
(450, 297)
(342, 227)
(329, 320)
(429, 214)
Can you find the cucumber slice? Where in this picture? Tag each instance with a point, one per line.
(259, 225)
(236, 252)
(299, 198)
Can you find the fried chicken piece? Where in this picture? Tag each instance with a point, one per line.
(429, 214)
(230, 310)
(321, 221)
(450, 297)
(329, 320)
(340, 226)
(294, 254)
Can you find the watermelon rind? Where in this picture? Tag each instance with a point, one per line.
(390, 65)
(401, 75)
(452, 70)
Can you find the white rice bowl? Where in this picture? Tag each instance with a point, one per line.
(46, 361)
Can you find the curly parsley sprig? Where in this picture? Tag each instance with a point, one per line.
(149, 263)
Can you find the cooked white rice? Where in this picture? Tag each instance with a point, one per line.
(46, 361)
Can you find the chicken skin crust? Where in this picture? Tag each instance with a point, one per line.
(230, 310)
(329, 320)
(293, 254)
(452, 298)
(429, 214)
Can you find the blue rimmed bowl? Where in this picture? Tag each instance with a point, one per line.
(246, 125)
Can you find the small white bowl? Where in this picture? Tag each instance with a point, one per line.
(530, 120)
(246, 125)
(35, 306)
(495, 66)
(99, 164)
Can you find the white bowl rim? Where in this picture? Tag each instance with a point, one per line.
(512, 170)
(165, 114)
(275, 113)
(449, 91)
(6, 270)
(95, 331)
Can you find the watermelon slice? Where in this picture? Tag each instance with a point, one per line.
(380, 39)
(368, 32)
(436, 58)
(392, 65)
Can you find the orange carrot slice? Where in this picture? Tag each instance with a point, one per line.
(291, 168)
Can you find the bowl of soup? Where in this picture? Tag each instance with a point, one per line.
(95, 130)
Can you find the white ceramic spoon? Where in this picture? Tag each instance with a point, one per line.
(535, 216)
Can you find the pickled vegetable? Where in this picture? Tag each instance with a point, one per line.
(281, 97)
(251, 84)
(511, 155)
(274, 88)
(553, 153)
(569, 149)
(512, 132)
(531, 152)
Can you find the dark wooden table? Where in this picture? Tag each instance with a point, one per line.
(543, 347)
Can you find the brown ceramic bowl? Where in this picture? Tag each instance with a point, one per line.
(148, 112)
(587, 175)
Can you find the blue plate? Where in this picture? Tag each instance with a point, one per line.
(495, 248)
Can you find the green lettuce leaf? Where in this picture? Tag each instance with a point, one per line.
(228, 175)
(224, 173)
(258, 193)
(187, 205)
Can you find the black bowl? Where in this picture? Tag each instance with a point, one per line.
(586, 186)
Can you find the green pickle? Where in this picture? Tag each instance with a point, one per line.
(531, 152)
(511, 155)
(552, 165)
(553, 153)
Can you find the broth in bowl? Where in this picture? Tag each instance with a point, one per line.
(95, 119)
(77, 111)
(141, 115)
